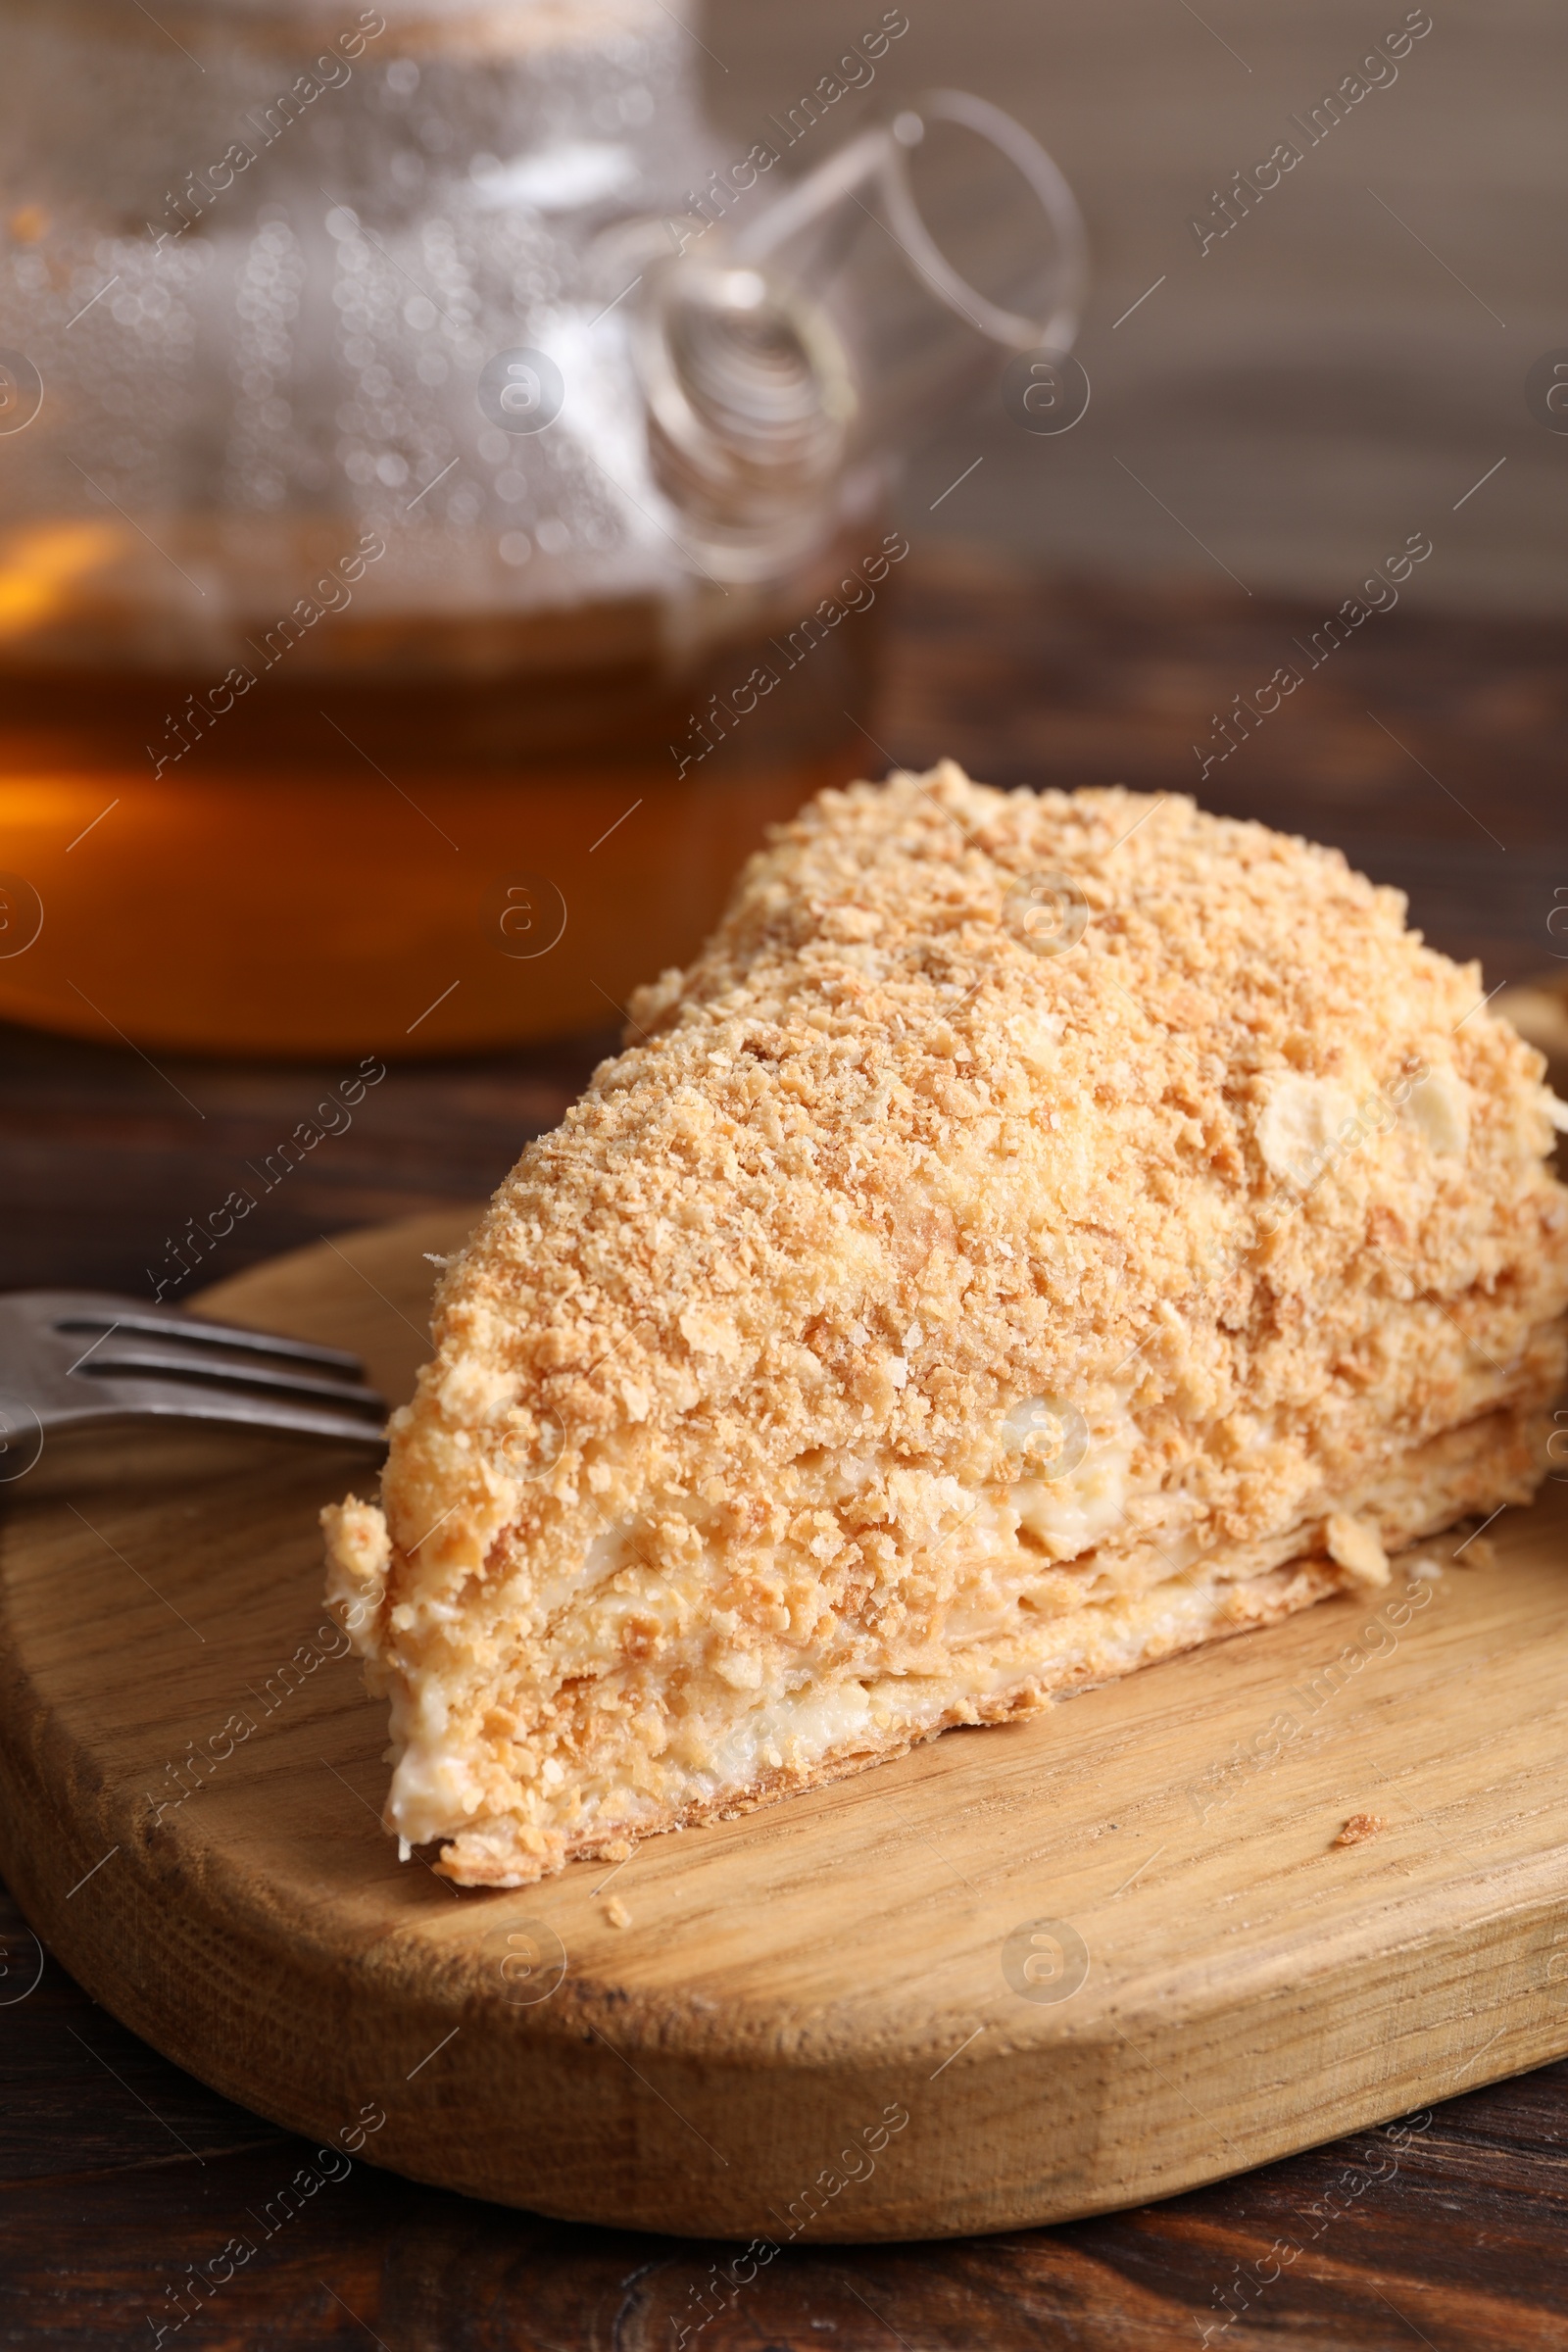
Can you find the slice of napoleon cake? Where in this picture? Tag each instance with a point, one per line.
(1038, 1233)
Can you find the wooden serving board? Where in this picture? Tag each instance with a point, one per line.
(1024, 1974)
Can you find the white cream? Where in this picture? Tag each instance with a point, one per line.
(1298, 1126)
(1070, 1515)
(1439, 1109)
(434, 1786)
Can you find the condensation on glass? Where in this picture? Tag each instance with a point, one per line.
(427, 484)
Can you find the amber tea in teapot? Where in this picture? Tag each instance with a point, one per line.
(443, 518)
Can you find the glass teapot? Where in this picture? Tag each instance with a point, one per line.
(441, 495)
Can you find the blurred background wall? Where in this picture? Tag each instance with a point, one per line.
(1334, 375)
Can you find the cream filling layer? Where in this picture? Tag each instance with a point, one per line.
(791, 1726)
(745, 1714)
(728, 1714)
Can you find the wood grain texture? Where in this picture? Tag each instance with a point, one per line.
(1016, 1976)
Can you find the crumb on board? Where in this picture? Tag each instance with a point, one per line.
(1359, 1828)
(617, 1913)
(1479, 1552)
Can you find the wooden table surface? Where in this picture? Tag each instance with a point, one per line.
(119, 2172)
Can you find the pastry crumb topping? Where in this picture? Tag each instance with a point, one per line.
(1039, 1232)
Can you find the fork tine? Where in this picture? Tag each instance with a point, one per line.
(202, 1368)
(86, 1357)
(133, 1317)
(226, 1407)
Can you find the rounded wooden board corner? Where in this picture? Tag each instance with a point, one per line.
(1023, 1975)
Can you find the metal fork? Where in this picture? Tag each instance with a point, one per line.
(70, 1359)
